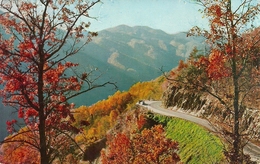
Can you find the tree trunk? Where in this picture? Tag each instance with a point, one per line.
(43, 146)
(236, 142)
(235, 156)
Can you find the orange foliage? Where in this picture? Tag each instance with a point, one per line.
(120, 147)
(182, 65)
(141, 122)
(18, 148)
(216, 67)
(101, 116)
(149, 146)
(14, 151)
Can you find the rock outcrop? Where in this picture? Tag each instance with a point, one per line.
(205, 106)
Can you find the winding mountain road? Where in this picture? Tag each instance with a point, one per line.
(156, 107)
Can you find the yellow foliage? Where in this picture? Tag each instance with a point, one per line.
(103, 115)
(147, 90)
(113, 116)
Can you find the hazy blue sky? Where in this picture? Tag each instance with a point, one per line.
(171, 16)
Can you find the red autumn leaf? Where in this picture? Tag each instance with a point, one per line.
(33, 66)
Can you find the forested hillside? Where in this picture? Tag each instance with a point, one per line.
(78, 96)
(125, 55)
(117, 122)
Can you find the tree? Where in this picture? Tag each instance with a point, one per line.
(101, 116)
(13, 152)
(149, 146)
(232, 63)
(37, 40)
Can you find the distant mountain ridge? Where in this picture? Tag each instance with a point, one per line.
(131, 54)
(127, 55)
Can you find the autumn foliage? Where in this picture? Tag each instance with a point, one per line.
(97, 120)
(147, 90)
(103, 115)
(20, 152)
(100, 116)
(229, 69)
(132, 144)
(36, 41)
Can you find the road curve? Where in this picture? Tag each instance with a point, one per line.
(156, 107)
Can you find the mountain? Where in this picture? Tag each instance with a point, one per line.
(131, 54)
(126, 55)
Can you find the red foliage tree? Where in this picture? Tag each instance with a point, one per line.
(233, 59)
(149, 146)
(36, 39)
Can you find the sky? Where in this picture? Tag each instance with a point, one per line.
(171, 16)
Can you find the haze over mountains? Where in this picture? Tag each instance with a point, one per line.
(130, 54)
(127, 55)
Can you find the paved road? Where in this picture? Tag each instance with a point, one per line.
(156, 107)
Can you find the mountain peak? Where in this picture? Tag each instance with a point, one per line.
(134, 29)
(119, 28)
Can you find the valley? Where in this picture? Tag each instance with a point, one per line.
(125, 55)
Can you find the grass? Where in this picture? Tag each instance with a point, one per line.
(196, 144)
